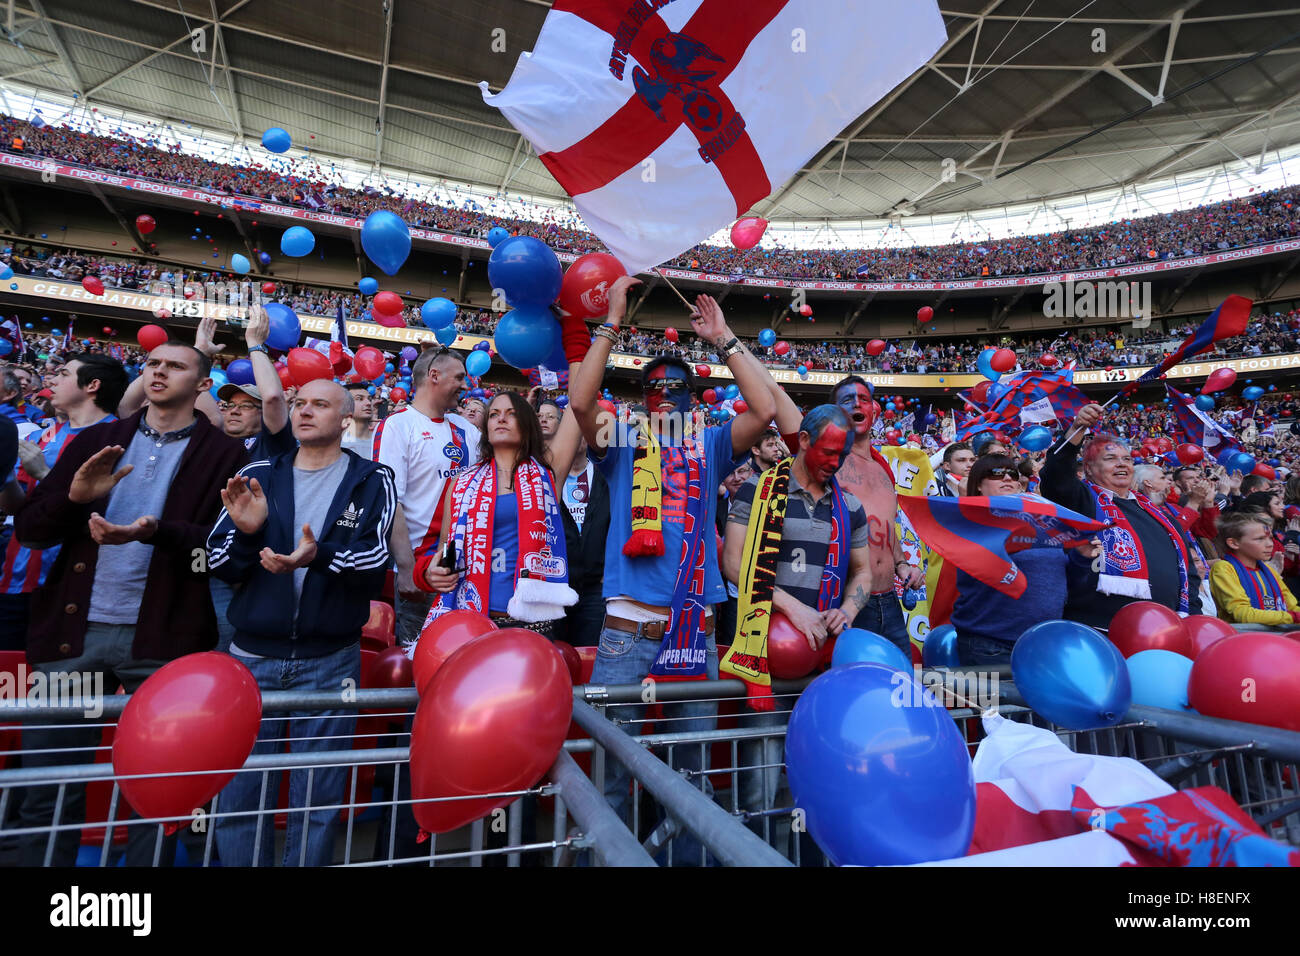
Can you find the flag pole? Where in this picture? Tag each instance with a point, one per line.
(1062, 443)
(659, 273)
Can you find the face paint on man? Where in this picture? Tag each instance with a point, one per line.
(824, 457)
(668, 390)
(856, 401)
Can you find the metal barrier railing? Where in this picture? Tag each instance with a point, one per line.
(684, 772)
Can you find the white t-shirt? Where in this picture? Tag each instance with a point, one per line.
(423, 454)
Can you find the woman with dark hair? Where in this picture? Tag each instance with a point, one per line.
(502, 550)
(988, 622)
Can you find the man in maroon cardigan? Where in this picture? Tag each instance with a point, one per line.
(132, 503)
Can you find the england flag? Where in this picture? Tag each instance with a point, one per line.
(667, 119)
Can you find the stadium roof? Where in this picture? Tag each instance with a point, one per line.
(1026, 99)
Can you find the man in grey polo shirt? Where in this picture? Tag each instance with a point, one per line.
(825, 440)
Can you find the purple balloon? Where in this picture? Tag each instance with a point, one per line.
(409, 353)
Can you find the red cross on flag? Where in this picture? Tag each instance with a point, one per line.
(667, 119)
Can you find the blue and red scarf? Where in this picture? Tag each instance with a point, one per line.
(1260, 584)
(1124, 570)
(683, 655)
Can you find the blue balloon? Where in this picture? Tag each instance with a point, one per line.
(1071, 675)
(241, 372)
(482, 344)
(6, 346)
(239, 264)
(982, 363)
(370, 390)
(733, 391)
(1205, 402)
(858, 646)
(476, 363)
(1159, 679)
(496, 234)
(889, 406)
(525, 336)
(1036, 438)
(527, 272)
(297, 241)
(1243, 462)
(562, 401)
(285, 329)
(1252, 394)
(218, 379)
(6, 272)
(446, 336)
(276, 140)
(940, 649)
(880, 769)
(767, 338)
(803, 371)
(264, 258)
(368, 286)
(438, 313)
(27, 325)
(386, 239)
(389, 367)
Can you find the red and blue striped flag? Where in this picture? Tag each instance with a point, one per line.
(979, 534)
(1194, 427)
(1030, 398)
(1228, 320)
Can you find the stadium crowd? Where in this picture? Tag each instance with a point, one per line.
(1236, 223)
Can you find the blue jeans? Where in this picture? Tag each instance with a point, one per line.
(308, 732)
(222, 594)
(973, 651)
(883, 615)
(624, 658)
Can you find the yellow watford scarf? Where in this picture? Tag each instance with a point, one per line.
(647, 499)
(747, 658)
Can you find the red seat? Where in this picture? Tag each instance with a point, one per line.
(380, 630)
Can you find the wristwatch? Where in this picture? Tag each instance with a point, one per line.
(732, 347)
(259, 348)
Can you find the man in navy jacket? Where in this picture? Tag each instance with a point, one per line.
(304, 539)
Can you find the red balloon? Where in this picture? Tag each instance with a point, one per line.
(1264, 470)
(893, 435)
(1003, 360)
(1147, 626)
(106, 330)
(788, 655)
(189, 293)
(1253, 678)
(492, 720)
(781, 348)
(805, 310)
(1048, 360)
(307, 365)
(391, 321)
(151, 336)
(92, 285)
(875, 346)
(571, 659)
(397, 394)
(924, 314)
(981, 391)
(584, 291)
(1189, 454)
(739, 406)
(1218, 380)
(386, 303)
(607, 405)
(268, 288)
(1203, 630)
(670, 334)
(390, 668)
(442, 637)
(710, 396)
(197, 713)
(369, 362)
(286, 380)
(145, 223)
(1164, 445)
(703, 371)
(747, 231)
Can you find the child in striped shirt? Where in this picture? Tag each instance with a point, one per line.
(1245, 589)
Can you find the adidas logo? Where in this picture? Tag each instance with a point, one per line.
(351, 515)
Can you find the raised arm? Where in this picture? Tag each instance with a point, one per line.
(275, 410)
(584, 386)
(751, 376)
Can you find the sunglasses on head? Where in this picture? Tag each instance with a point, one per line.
(1004, 473)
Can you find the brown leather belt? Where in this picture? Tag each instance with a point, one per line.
(653, 630)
